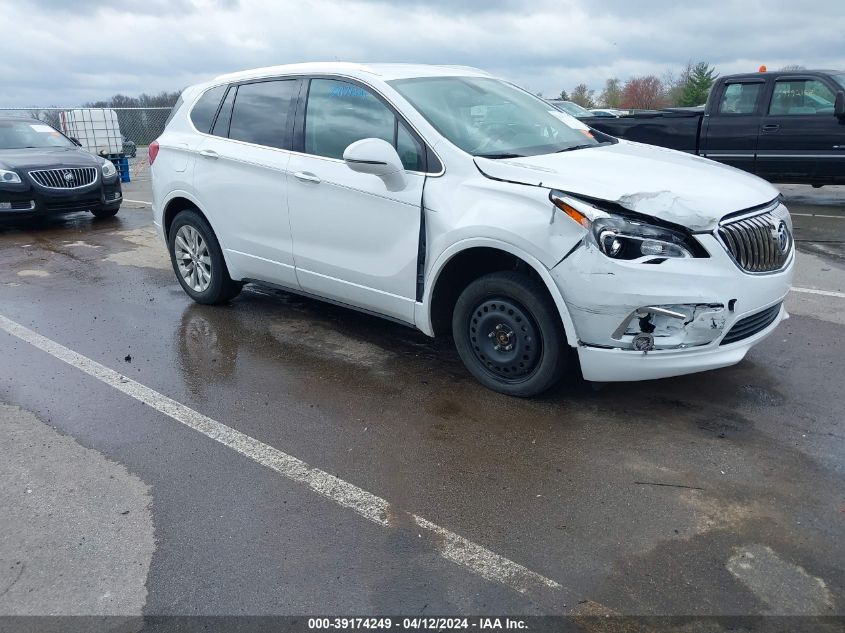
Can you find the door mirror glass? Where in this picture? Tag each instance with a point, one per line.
(839, 105)
(376, 157)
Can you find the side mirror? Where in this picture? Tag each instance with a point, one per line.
(378, 158)
(839, 104)
(75, 141)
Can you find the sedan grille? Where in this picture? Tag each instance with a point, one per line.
(70, 178)
(750, 325)
(758, 244)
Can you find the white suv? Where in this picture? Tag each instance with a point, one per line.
(457, 203)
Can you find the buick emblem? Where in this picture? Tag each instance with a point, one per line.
(69, 177)
(781, 234)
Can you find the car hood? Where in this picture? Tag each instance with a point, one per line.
(662, 183)
(47, 158)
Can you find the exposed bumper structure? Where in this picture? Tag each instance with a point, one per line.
(612, 365)
(700, 313)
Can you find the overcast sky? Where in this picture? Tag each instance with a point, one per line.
(65, 52)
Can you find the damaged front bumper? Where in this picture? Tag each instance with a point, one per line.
(637, 320)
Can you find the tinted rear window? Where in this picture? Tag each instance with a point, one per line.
(203, 113)
(261, 112)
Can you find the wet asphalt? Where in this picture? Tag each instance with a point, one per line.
(717, 493)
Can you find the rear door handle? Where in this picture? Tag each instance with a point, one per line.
(209, 153)
(307, 176)
(771, 127)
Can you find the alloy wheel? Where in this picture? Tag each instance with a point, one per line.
(192, 258)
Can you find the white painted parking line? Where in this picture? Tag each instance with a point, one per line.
(451, 546)
(818, 215)
(814, 291)
(149, 204)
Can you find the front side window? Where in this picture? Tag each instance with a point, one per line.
(340, 113)
(491, 118)
(204, 110)
(30, 133)
(740, 98)
(260, 113)
(803, 96)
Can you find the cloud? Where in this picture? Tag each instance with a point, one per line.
(63, 53)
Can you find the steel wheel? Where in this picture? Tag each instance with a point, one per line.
(192, 258)
(505, 339)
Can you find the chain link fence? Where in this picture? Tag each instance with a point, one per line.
(126, 131)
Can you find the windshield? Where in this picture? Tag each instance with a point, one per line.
(34, 133)
(840, 79)
(490, 118)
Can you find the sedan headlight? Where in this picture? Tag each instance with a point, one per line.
(109, 169)
(9, 177)
(623, 237)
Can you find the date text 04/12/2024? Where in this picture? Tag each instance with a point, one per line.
(416, 623)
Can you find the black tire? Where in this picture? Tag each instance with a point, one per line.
(106, 213)
(508, 333)
(220, 287)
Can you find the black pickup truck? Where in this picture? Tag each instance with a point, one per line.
(786, 127)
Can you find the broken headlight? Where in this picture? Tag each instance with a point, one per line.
(621, 238)
(626, 237)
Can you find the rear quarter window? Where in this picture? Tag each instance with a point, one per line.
(202, 114)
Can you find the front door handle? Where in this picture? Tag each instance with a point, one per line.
(209, 153)
(307, 176)
(839, 147)
(771, 127)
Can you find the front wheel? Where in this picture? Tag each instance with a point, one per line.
(508, 333)
(198, 260)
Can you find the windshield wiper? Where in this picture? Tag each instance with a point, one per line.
(501, 155)
(583, 146)
(574, 147)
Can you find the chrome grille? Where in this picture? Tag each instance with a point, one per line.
(69, 178)
(758, 244)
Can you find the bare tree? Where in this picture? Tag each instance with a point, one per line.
(583, 96)
(794, 67)
(611, 96)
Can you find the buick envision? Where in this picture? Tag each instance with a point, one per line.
(462, 205)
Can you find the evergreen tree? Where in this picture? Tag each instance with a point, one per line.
(698, 84)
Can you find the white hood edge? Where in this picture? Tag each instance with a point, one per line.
(665, 184)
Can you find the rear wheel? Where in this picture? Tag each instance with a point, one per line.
(508, 333)
(198, 260)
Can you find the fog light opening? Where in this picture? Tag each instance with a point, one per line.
(643, 342)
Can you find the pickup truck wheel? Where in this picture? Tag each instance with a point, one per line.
(509, 335)
(198, 260)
